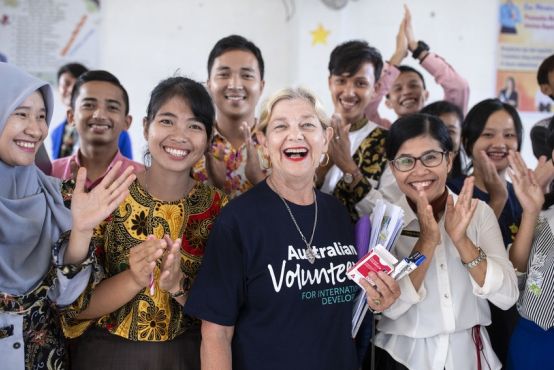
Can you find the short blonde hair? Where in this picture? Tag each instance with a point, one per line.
(292, 93)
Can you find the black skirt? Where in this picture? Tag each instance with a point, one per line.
(99, 349)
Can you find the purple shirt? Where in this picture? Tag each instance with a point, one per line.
(61, 168)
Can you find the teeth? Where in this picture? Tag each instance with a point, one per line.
(99, 126)
(235, 97)
(295, 151)
(348, 104)
(497, 154)
(25, 144)
(420, 185)
(408, 102)
(176, 152)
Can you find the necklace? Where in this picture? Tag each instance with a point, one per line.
(310, 255)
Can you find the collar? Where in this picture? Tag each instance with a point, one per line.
(356, 125)
(89, 184)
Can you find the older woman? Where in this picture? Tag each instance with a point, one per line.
(438, 321)
(272, 291)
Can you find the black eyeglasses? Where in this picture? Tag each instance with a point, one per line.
(432, 158)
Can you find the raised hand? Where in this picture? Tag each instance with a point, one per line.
(339, 147)
(253, 169)
(89, 209)
(401, 50)
(458, 215)
(429, 228)
(409, 31)
(544, 173)
(143, 257)
(494, 184)
(170, 275)
(527, 188)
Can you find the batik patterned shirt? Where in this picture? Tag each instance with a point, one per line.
(236, 181)
(146, 317)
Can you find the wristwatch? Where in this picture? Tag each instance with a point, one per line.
(480, 258)
(421, 47)
(349, 178)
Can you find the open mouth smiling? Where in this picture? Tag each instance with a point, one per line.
(296, 154)
(175, 152)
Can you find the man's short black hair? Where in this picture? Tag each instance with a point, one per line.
(406, 69)
(235, 42)
(545, 68)
(349, 57)
(98, 75)
(75, 69)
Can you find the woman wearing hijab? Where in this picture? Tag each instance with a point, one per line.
(272, 290)
(42, 264)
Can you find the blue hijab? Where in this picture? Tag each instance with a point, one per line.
(32, 213)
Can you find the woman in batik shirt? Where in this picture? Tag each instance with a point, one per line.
(149, 250)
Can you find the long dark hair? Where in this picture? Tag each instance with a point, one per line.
(549, 197)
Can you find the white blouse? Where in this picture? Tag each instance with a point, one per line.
(432, 328)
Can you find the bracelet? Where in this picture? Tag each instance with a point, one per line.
(480, 258)
(181, 292)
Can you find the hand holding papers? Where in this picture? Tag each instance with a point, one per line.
(382, 230)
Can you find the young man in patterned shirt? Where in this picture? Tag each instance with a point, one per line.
(235, 82)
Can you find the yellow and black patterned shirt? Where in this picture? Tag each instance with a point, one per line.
(145, 317)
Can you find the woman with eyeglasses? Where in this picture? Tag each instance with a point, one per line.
(439, 320)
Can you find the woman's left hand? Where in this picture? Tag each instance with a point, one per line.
(385, 292)
(458, 215)
(170, 269)
(88, 210)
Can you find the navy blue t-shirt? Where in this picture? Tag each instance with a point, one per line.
(511, 214)
(287, 312)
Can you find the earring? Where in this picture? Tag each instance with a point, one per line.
(324, 158)
(265, 162)
(147, 158)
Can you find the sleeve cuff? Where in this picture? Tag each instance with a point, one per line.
(58, 251)
(493, 280)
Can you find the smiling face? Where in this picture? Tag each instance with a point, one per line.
(498, 137)
(407, 94)
(99, 113)
(351, 94)
(432, 180)
(24, 132)
(176, 139)
(294, 139)
(235, 84)
(452, 122)
(65, 87)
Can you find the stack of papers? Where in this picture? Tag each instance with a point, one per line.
(382, 228)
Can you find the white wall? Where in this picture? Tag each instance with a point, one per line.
(145, 41)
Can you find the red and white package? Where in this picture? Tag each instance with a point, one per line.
(378, 259)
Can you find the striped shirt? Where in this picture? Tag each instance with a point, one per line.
(536, 301)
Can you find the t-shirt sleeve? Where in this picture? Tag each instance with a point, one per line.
(218, 291)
